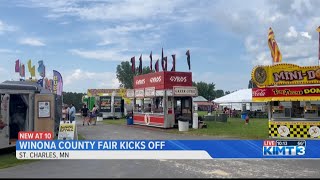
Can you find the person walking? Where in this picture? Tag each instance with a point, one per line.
(72, 113)
(84, 112)
(94, 114)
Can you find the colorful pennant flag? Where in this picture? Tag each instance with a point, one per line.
(22, 70)
(57, 83)
(173, 62)
(188, 59)
(133, 64)
(41, 69)
(275, 51)
(17, 67)
(33, 71)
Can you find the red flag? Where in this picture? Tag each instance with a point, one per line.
(17, 68)
(165, 63)
(188, 58)
(133, 64)
(162, 63)
(140, 64)
(150, 61)
(173, 62)
(22, 70)
(157, 66)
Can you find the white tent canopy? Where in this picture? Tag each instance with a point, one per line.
(240, 96)
(237, 99)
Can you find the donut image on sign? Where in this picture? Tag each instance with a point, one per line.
(314, 131)
(283, 131)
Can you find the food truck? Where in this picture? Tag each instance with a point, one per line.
(109, 102)
(26, 106)
(292, 94)
(160, 98)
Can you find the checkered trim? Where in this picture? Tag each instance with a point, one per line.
(296, 131)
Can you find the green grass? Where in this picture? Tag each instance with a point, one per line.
(10, 160)
(80, 137)
(234, 128)
(115, 121)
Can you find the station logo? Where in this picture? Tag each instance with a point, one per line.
(284, 148)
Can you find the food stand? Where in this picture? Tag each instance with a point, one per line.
(292, 94)
(160, 98)
(110, 102)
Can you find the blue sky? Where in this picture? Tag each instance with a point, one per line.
(85, 40)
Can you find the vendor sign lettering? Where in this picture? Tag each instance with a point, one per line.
(185, 91)
(285, 74)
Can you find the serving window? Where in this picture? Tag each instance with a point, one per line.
(302, 110)
(149, 105)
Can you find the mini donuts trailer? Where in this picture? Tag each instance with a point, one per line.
(161, 97)
(293, 97)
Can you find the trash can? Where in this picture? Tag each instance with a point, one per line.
(183, 124)
(129, 120)
(100, 117)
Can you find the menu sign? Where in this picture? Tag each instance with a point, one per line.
(185, 91)
(117, 104)
(150, 92)
(105, 103)
(130, 93)
(139, 92)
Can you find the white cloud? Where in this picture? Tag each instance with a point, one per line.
(80, 80)
(102, 55)
(9, 51)
(6, 28)
(292, 32)
(31, 42)
(64, 23)
(306, 35)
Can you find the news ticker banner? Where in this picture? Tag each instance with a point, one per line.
(166, 149)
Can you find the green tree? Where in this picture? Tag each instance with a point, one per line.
(219, 93)
(227, 92)
(125, 74)
(73, 98)
(205, 89)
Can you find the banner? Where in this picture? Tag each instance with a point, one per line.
(167, 149)
(292, 93)
(285, 74)
(57, 83)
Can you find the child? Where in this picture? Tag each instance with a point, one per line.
(247, 119)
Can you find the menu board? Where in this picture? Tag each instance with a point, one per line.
(117, 104)
(105, 103)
